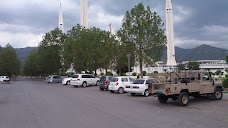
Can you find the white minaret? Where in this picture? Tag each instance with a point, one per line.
(84, 13)
(171, 61)
(60, 18)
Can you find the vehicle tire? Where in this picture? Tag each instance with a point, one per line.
(217, 95)
(121, 90)
(183, 99)
(68, 83)
(101, 89)
(162, 98)
(146, 93)
(84, 84)
(111, 91)
(133, 94)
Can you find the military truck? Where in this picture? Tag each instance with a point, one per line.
(180, 86)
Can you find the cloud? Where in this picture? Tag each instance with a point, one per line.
(23, 22)
(23, 39)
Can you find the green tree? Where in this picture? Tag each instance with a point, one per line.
(226, 59)
(50, 51)
(9, 62)
(193, 65)
(144, 29)
(32, 65)
(218, 72)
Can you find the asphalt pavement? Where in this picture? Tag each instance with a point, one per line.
(36, 104)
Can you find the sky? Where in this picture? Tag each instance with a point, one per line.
(23, 23)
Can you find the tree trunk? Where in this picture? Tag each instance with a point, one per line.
(119, 71)
(140, 67)
(106, 70)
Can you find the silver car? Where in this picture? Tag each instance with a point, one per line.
(54, 79)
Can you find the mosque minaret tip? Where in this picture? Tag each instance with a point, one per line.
(84, 13)
(60, 18)
(171, 61)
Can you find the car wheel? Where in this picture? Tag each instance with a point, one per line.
(162, 99)
(120, 90)
(183, 99)
(146, 93)
(84, 84)
(133, 94)
(111, 91)
(68, 83)
(218, 94)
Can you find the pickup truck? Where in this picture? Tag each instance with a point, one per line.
(194, 83)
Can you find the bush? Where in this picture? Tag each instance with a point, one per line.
(134, 74)
(102, 74)
(144, 73)
(226, 75)
(225, 83)
(155, 71)
(109, 74)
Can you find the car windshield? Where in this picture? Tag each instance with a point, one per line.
(138, 82)
(103, 78)
(75, 76)
(114, 79)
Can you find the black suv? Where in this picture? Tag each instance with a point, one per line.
(104, 82)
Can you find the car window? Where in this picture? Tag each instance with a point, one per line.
(103, 78)
(149, 81)
(91, 76)
(131, 79)
(124, 79)
(114, 79)
(139, 82)
(75, 76)
(84, 76)
(110, 78)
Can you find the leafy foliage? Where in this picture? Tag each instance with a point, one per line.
(193, 65)
(142, 31)
(225, 83)
(9, 62)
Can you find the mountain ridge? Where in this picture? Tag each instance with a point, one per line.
(201, 52)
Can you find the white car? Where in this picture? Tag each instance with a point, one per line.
(140, 86)
(118, 84)
(66, 81)
(84, 80)
(4, 79)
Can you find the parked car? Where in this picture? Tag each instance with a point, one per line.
(104, 82)
(4, 79)
(54, 79)
(118, 84)
(84, 80)
(140, 86)
(66, 81)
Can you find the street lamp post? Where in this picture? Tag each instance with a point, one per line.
(129, 65)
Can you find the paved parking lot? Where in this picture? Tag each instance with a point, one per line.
(36, 104)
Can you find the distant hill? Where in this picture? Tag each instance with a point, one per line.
(23, 52)
(202, 52)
